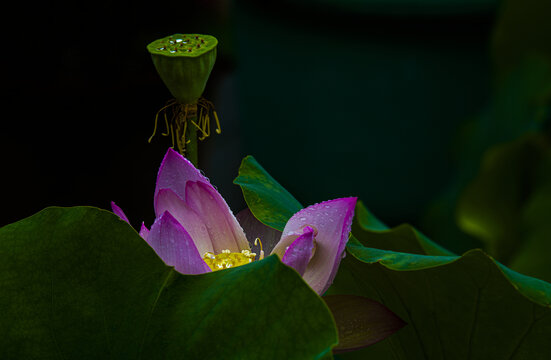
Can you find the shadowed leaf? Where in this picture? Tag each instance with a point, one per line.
(361, 321)
(508, 204)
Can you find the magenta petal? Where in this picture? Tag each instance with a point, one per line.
(331, 221)
(223, 228)
(174, 245)
(144, 232)
(167, 200)
(299, 253)
(118, 211)
(174, 173)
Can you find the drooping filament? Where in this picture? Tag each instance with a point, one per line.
(256, 242)
(180, 117)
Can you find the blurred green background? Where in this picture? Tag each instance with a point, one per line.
(434, 113)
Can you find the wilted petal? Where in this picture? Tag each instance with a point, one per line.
(167, 200)
(331, 221)
(224, 230)
(299, 253)
(174, 245)
(144, 232)
(174, 173)
(118, 211)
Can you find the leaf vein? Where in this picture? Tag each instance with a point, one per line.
(159, 293)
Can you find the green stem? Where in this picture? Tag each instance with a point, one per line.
(192, 153)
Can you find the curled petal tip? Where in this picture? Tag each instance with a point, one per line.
(118, 211)
(332, 221)
(299, 253)
(144, 232)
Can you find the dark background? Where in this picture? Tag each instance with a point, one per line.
(333, 99)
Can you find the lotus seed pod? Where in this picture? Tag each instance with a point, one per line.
(184, 63)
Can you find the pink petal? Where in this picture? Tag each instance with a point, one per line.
(175, 247)
(144, 232)
(118, 211)
(331, 221)
(223, 228)
(299, 253)
(167, 200)
(174, 173)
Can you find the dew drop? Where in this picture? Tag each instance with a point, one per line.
(302, 219)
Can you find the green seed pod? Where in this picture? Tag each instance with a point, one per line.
(184, 62)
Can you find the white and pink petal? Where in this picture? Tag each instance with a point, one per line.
(224, 231)
(175, 247)
(168, 200)
(174, 173)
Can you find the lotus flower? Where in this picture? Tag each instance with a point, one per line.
(196, 232)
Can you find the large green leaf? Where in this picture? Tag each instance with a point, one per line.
(78, 283)
(508, 204)
(456, 307)
(270, 202)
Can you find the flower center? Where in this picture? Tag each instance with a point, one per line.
(227, 259)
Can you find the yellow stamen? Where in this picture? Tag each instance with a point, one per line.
(226, 259)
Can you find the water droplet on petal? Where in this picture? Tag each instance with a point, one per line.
(302, 219)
